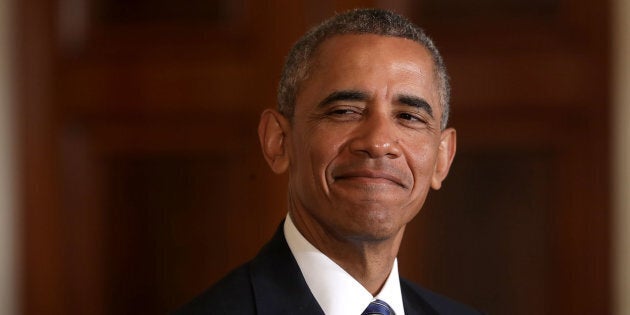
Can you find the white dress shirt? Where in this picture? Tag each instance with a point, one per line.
(336, 291)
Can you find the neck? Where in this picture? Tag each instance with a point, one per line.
(368, 260)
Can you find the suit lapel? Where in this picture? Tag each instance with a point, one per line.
(413, 303)
(277, 282)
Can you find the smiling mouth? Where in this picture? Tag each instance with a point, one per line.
(369, 178)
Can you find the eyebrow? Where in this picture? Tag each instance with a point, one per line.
(344, 95)
(416, 102)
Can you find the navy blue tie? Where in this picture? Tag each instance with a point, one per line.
(378, 307)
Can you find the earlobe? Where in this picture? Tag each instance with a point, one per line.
(272, 130)
(446, 153)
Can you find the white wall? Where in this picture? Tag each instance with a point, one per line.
(621, 147)
(7, 215)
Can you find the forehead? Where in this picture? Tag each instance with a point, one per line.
(369, 52)
(371, 63)
(341, 43)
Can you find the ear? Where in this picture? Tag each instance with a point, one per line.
(446, 153)
(272, 130)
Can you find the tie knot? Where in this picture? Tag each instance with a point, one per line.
(378, 307)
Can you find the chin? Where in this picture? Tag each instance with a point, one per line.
(376, 227)
(372, 236)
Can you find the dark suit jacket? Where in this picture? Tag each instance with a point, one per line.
(272, 284)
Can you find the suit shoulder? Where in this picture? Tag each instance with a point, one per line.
(417, 295)
(232, 294)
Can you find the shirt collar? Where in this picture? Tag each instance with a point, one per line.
(336, 291)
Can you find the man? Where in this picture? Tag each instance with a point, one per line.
(361, 130)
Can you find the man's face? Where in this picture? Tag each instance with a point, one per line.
(365, 144)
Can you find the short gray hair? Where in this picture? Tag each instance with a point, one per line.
(358, 21)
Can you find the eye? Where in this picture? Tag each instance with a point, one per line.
(410, 117)
(344, 113)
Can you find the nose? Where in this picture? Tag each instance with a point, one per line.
(376, 137)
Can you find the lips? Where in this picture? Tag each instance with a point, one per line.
(370, 176)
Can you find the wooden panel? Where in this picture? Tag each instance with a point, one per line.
(457, 9)
(159, 213)
(185, 88)
(145, 11)
(167, 227)
(500, 53)
(488, 230)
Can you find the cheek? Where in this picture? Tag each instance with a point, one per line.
(422, 165)
(422, 161)
(313, 153)
(323, 148)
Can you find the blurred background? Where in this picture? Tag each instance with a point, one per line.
(131, 179)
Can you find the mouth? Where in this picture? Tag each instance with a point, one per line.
(369, 177)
